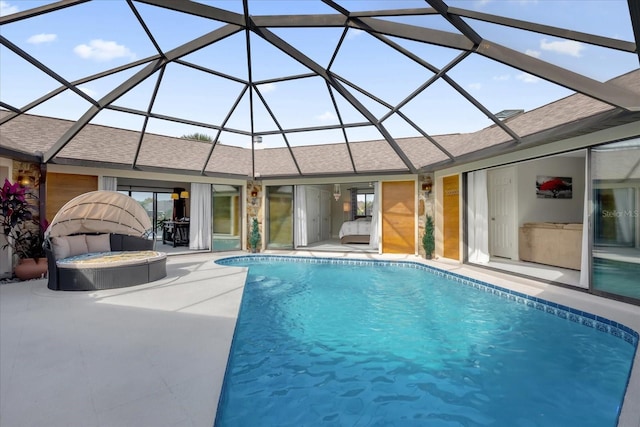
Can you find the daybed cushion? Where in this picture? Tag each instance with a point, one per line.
(98, 243)
(110, 259)
(60, 247)
(77, 245)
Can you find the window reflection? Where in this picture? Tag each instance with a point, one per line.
(280, 217)
(227, 218)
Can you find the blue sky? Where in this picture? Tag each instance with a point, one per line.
(103, 34)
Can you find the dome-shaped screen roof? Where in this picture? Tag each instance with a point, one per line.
(276, 89)
(100, 212)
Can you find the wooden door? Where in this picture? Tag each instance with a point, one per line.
(398, 217)
(62, 187)
(451, 215)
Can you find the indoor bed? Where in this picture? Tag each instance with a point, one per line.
(358, 231)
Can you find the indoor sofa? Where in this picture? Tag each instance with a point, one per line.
(551, 243)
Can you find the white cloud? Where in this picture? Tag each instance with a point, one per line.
(42, 38)
(92, 93)
(534, 53)
(7, 9)
(566, 47)
(267, 87)
(522, 2)
(502, 77)
(327, 116)
(353, 33)
(475, 86)
(101, 50)
(527, 78)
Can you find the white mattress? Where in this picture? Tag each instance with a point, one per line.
(351, 228)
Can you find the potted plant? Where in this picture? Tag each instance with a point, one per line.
(254, 235)
(428, 239)
(22, 232)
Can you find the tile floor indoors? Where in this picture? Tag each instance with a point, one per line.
(155, 354)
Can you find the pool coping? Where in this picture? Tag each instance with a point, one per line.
(585, 318)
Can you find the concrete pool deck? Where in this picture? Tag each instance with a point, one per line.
(155, 354)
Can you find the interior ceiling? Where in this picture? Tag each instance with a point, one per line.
(261, 68)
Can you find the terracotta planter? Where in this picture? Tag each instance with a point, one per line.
(31, 268)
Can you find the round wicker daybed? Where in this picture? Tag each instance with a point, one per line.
(99, 240)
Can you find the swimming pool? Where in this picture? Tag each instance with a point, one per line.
(344, 342)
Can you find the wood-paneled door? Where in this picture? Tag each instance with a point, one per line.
(451, 216)
(62, 187)
(398, 217)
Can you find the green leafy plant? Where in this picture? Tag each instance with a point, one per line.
(428, 239)
(198, 137)
(254, 235)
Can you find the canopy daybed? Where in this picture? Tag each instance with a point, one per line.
(99, 240)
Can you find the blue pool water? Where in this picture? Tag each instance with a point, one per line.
(382, 344)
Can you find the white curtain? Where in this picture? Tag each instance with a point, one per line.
(584, 257)
(300, 232)
(478, 217)
(200, 216)
(374, 237)
(109, 183)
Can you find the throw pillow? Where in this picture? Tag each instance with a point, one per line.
(60, 247)
(98, 243)
(77, 245)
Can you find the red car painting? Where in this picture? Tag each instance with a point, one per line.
(554, 187)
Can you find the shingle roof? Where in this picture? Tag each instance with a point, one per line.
(113, 147)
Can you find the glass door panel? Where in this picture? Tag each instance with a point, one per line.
(616, 218)
(280, 217)
(164, 212)
(226, 218)
(146, 200)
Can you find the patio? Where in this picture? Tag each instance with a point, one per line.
(147, 355)
(155, 354)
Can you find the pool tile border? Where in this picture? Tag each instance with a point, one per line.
(584, 318)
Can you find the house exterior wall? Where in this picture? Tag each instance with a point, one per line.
(426, 206)
(626, 131)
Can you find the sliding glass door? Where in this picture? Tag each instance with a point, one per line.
(280, 217)
(227, 218)
(158, 205)
(616, 218)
